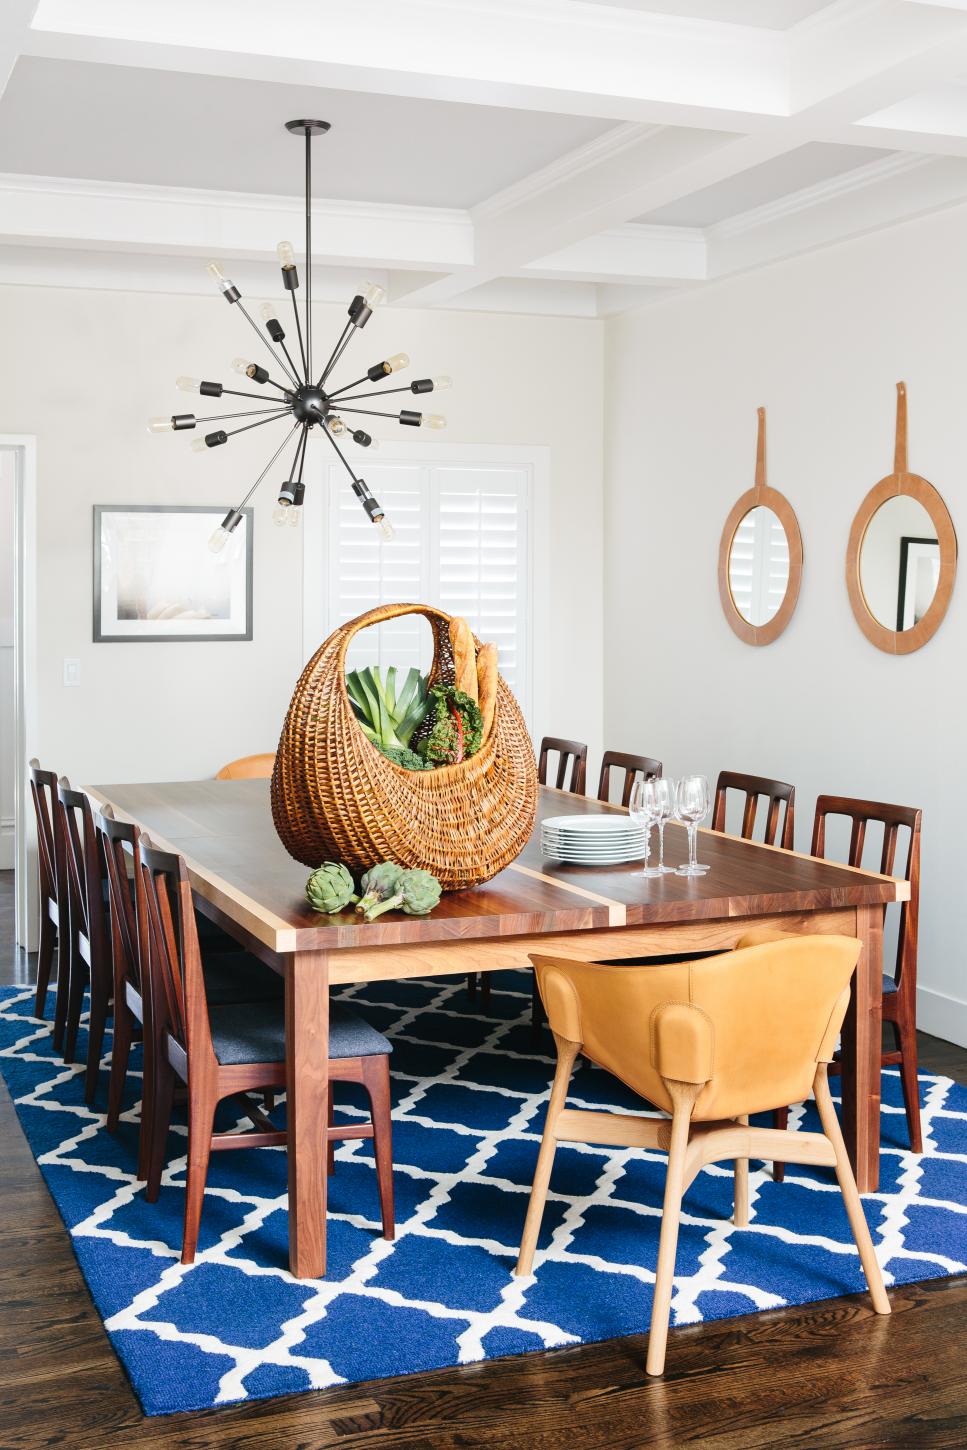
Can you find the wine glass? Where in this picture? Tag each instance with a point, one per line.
(641, 807)
(691, 806)
(665, 808)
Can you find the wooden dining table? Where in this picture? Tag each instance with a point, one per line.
(244, 880)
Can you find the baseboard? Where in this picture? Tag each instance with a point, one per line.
(7, 846)
(942, 1016)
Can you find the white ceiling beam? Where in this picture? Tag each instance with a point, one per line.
(163, 220)
(631, 255)
(15, 18)
(885, 192)
(567, 57)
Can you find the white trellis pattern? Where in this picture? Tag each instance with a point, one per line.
(469, 1098)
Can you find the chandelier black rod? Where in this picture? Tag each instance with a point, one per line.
(345, 461)
(260, 424)
(298, 328)
(373, 413)
(308, 254)
(274, 409)
(376, 393)
(275, 455)
(266, 343)
(337, 392)
(334, 355)
(292, 362)
(234, 393)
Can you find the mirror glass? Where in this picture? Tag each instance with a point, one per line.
(899, 563)
(759, 565)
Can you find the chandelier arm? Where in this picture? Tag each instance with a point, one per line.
(300, 454)
(298, 328)
(273, 418)
(267, 343)
(275, 409)
(302, 460)
(292, 363)
(371, 413)
(345, 461)
(346, 386)
(265, 470)
(234, 393)
(377, 393)
(335, 354)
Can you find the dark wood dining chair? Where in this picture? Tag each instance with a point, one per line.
(230, 1050)
(900, 989)
(634, 767)
(782, 806)
(89, 951)
(573, 755)
(43, 793)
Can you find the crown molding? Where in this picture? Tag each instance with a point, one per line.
(564, 169)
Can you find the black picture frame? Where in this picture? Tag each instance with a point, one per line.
(151, 634)
(905, 541)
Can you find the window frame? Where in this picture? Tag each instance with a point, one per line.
(533, 461)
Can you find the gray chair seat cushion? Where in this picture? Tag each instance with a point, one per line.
(239, 977)
(242, 1035)
(889, 985)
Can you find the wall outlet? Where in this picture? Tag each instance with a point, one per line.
(72, 672)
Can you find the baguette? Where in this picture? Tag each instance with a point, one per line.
(487, 685)
(464, 657)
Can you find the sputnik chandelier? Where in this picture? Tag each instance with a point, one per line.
(313, 406)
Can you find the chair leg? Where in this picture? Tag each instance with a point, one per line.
(472, 986)
(851, 1198)
(45, 961)
(95, 1044)
(683, 1097)
(906, 1041)
(79, 976)
(566, 1055)
(201, 1122)
(740, 1202)
(780, 1119)
(330, 1145)
(120, 1053)
(63, 985)
(377, 1084)
(485, 991)
(162, 1097)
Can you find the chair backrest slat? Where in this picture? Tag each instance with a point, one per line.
(634, 766)
(571, 752)
(119, 842)
(893, 819)
(43, 791)
(782, 802)
(84, 872)
(171, 951)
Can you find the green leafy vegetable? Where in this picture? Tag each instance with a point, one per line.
(330, 888)
(405, 757)
(457, 727)
(417, 893)
(387, 717)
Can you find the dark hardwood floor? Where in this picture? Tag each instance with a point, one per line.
(830, 1375)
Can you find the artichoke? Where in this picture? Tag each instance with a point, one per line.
(417, 893)
(378, 883)
(330, 888)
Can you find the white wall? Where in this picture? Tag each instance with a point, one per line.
(7, 744)
(821, 342)
(87, 370)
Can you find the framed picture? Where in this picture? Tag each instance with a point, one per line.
(155, 577)
(919, 576)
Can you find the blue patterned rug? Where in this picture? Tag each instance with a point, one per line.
(469, 1095)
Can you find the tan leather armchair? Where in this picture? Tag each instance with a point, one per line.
(249, 767)
(709, 1042)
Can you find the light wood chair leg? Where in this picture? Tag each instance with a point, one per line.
(847, 1184)
(376, 1080)
(740, 1210)
(566, 1054)
(683, 1097)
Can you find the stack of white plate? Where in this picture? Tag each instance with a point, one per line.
(593, 840)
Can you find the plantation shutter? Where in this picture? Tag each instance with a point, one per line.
(461, 543)
(759, 565)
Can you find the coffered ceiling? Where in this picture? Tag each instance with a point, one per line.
(567, 156)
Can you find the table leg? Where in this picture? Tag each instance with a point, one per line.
(307, 1101)
(861, 1050)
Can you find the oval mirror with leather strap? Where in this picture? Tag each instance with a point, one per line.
(901, 561)
(760, 557)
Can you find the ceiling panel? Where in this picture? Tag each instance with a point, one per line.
(124, 124)
(802, 167)
(769, 14)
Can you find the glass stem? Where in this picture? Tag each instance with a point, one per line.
(647, 845)
(692, 847)
(661, 845)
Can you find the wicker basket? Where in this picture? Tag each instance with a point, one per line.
(336, 797)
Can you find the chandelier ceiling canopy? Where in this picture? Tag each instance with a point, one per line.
(310, 405)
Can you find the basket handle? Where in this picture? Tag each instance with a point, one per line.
(437, 618)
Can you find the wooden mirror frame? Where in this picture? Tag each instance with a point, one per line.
(761, 494)
(902, 482)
